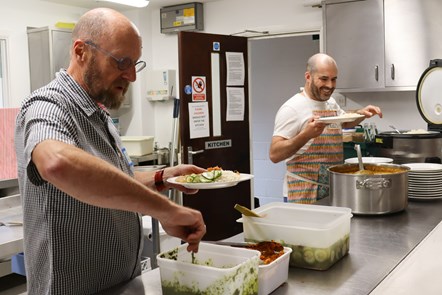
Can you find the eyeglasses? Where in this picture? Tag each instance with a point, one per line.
(123, 63)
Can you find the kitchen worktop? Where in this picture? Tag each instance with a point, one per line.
(11, 236)
(377, 245)
(402, 280)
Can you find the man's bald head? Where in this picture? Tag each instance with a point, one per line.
(101, 23)
(318, 60)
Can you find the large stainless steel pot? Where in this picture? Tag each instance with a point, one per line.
(381, 193)
(410, 148)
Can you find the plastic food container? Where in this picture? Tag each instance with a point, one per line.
(214, 269)
(319, 236)
(138, 145)
(273, 275)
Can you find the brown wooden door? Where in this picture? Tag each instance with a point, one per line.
(230, 147)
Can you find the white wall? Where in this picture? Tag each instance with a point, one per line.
(273, 82)
(399, 109)
(15, 16)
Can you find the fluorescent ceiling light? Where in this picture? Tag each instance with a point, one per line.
(134, 3)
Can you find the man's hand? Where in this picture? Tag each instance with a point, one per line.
(314, 128)
(186, 224)
(182, 169)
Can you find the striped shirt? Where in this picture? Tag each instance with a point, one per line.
(71, 247)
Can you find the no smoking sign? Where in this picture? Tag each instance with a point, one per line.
(198, 88)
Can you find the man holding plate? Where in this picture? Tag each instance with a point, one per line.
(308, 132)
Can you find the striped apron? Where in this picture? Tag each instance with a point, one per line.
(307, 175)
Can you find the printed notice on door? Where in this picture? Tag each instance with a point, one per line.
(198, 88)
(235, 68)
(199, 120)
(235, 104)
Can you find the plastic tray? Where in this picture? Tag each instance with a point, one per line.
(214, 269)
(273, 275)
(318, 235)
(138, 145)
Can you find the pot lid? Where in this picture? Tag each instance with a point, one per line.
(428, 96)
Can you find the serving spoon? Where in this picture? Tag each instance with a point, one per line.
(395, 129)
(246, 211)
(360, 163)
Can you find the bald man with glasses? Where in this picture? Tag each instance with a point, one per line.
(82, 199)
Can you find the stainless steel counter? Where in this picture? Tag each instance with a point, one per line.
(11, 231)
(377, 245)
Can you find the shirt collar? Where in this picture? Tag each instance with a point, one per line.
(77, 94)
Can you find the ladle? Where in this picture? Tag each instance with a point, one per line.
(246, 211)
(360, 163)
(359, 154)
(395, 129)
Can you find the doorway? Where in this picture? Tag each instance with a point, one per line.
(276, 73)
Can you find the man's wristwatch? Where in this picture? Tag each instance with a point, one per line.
(159, 183)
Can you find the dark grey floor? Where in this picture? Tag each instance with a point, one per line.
(12, 284)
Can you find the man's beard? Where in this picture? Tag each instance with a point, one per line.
(93, 78)
(316, 91)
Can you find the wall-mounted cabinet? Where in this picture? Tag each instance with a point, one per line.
(382, 44)
(49, 50)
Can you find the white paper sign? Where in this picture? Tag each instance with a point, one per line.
(199, 119)
(235, 68)
(235, 104)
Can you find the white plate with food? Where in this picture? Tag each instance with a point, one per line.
(349, 117)
(207, 180)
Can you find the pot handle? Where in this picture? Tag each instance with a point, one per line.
(373, 183)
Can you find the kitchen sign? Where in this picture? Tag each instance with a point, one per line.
(218, 144)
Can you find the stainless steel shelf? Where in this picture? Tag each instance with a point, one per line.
(145, 158)
(8, 187)
(8, 183)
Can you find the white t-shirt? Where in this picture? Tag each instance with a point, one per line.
(294, 114)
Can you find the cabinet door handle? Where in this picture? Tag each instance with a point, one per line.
(392, 72)
(376, 73)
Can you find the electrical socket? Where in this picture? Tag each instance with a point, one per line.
(340, 99)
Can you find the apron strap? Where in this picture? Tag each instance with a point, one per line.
(305, 179)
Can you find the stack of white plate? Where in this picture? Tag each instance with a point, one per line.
(424, 181)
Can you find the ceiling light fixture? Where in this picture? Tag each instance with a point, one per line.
(134, 3)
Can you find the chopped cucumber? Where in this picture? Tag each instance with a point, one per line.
(321, 255)
(309, 255)
(190, 178)
(204, 180)
(217, 173)
(208, 175)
